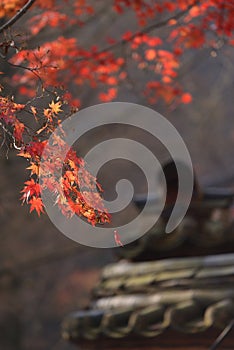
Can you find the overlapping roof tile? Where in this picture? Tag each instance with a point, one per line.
(188, 294)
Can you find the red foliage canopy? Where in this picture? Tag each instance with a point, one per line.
(46, 70)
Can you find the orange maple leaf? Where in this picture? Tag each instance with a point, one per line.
(31, 187)
(18, 130)
(34, 169)
(36, 204)
(55, 107)
(34, 110)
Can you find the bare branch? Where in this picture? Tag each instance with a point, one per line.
(222, 335)
(8, 132)
(17, 16)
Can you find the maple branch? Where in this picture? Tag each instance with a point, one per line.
(143, 31)
(3, 138)
(6, 131)
(30, 69)
(17, 16)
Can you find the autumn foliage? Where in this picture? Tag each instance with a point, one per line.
(50, 72)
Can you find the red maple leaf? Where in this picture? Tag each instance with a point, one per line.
(117, 239)
(36, 204)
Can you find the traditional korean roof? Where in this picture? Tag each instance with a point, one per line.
(188, 295)
(194, 236)
(144, 297)
(207, 228)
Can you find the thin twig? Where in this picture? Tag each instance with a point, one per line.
(222, 335)
(142, 32)
(33, 71)
(30, 69)
(3, 139)
(11, 135)
(17, 16)
(7, 131)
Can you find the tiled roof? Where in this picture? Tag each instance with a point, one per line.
(207, 226)
(145, 299)
(195, 235)
(190, 294)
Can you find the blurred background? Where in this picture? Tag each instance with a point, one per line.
(43, 274)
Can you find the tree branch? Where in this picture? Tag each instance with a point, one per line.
(143, 31)
(221, 337)
(17, 16)
(6, 131)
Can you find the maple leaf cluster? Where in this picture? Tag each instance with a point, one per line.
(72, 187)
(75, 182)
(190, 25)
(8, 117)
(63, 64)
